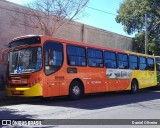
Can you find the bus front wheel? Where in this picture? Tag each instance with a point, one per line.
(134, 86)
(75, 91)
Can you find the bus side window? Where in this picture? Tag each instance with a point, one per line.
(53, 56)
(150, 63)
(76, 55)
(133, 62)
(110, 59)
(95, 58)
(142, 63)
(123, 61)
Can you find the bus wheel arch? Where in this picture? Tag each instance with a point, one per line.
(76, 89)
(134, 86)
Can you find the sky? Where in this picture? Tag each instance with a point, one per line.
(96, 18)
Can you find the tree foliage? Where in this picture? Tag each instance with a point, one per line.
(131, 15)
(138, 43)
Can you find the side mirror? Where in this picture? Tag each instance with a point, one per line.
(4, 56)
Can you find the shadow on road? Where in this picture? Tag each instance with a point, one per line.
(12, 114)
(104, 100)
(96, 101)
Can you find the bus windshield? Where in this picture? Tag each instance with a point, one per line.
(25, 60)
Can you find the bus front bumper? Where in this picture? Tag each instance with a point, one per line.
(35, 90)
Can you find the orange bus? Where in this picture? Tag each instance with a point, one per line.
(46, 66)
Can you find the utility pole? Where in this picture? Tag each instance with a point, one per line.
(146, 34)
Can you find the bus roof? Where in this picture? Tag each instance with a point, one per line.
(81, 44)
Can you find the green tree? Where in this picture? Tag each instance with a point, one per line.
(131, 15)
(138, 43)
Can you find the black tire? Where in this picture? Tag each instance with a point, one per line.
(134, 87)
(75, 91)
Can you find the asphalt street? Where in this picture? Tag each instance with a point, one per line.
(114, 105)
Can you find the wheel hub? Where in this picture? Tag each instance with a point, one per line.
(76, 90)
(134, 87)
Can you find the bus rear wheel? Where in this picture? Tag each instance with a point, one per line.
(134, 86)
(75, 91)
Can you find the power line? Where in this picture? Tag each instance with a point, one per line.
(45, 17)
(25, 13)
(100, 10)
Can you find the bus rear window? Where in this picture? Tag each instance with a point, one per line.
(25, 41)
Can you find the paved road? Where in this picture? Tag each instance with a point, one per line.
(118, 105)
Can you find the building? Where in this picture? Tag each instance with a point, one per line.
(73, 31)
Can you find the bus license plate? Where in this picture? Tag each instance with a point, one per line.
(17, 92)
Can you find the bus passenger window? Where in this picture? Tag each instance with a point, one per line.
(142, 63)
(76, 55)
(110, 59)
(95, 58)
(53, 57)
(150, 63)
(123, 61)
(133, 62)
